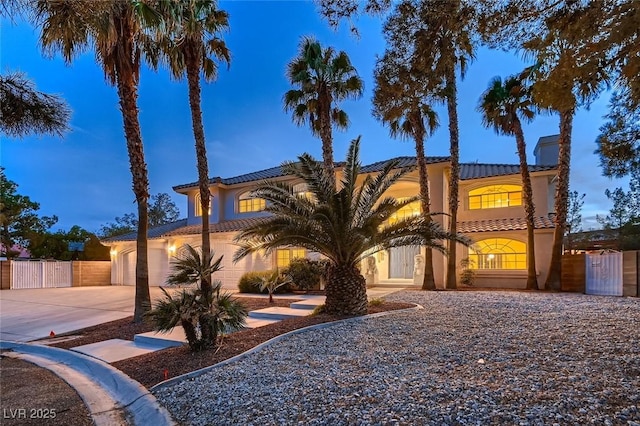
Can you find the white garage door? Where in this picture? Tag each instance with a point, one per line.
(129, 268)
(158, 266)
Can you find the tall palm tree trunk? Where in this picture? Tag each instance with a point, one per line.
(346, 291)
(128, 95)
(428, 282)
(454, 177)
(532, 280)
(562, 201)
(192, 59)
(326, 134)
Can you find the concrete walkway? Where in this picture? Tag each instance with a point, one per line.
(110, 395)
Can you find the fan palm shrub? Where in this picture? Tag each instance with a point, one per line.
(202, 315)
(344, 223)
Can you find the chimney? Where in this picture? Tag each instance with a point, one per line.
(546, 150)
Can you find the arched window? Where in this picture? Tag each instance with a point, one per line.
(498, 253)
(247, 204)
(198, 204)
(495, 196)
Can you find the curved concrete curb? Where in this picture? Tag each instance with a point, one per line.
(273, 340)
(96, 380)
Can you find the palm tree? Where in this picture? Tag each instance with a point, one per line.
(440, 33)
(344, 225)
(112, 29)
(203, 316)
(323, 78)
(192, 46)
(399, 100)
(502, 105)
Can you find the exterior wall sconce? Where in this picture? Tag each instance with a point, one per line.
(380, 256)
(172, 249)
(113, 252)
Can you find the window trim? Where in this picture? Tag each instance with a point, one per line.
(291, 253)
(520, 259)
(198, 206)
(245, 197)
(479, 187)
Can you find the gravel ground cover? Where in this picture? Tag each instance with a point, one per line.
(468, 358)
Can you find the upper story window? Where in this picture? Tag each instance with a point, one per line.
(411, 209)
(495, 196)
(498, 253)
(247, 204)
(300, 189)
(198, 204)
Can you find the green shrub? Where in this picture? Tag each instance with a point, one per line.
(376, 301)
(467, 275)
(305, 274)
(250, 282)
(320, 309)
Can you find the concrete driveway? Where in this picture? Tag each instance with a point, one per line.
(31, 314)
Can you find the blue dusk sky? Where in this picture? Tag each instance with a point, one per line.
(84, 178)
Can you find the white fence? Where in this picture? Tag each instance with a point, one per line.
(41, 274)
(604, 274)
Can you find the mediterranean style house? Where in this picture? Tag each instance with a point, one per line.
(490, 212)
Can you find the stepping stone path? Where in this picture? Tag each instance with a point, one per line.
(117, 349)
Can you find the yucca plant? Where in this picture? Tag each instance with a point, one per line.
(344, 224)
(203, 316)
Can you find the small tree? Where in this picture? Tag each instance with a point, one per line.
(202, 315)
(273, 282)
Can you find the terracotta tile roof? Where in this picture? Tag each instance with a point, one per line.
(478, 171)
(511, 224)
(467, 171)
(155, 232)
(226, 226)
(403, 162)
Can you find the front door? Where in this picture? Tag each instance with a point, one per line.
(401, 261)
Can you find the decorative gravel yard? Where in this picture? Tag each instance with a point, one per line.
(468, 358)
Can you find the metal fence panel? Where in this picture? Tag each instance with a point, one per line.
(604, 274)
(41, 274)
(57, 274)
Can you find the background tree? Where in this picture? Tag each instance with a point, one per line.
(579, 47)
(162, 210)
(323, 79)
(502, 106)
(25, 110)
(574, 219)
(50, 245)
(18, 217)
(619, 139)
(113, 29)
(624, 215)
(400, 101)
(344, 225)
(192, 46)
